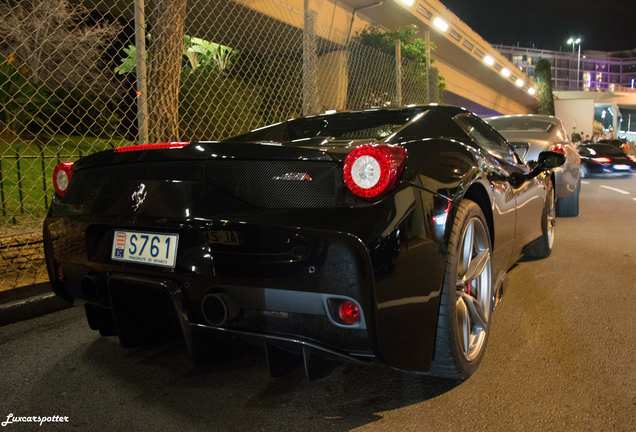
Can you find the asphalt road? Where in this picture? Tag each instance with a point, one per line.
(560, 357)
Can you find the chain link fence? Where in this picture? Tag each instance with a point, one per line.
(69, 87)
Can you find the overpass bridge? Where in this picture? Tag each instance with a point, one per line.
(477, 76)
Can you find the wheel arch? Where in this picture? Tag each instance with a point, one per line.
(477, 193)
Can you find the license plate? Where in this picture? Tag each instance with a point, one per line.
(145, 248)
(621, 167)
(224, 237)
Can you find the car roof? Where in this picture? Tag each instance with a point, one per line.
(547, 118)
(450, 109)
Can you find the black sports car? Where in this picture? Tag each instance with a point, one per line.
(605, 160)
(381, 235)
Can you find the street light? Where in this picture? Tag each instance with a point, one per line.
(489, 60)
(505, 72)
(407, 3)
(576, 41)
(532, 91)
(440, 24)
(520, 83)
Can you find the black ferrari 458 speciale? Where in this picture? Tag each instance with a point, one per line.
(374, 236)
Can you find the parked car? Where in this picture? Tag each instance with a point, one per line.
(532, 134)
(605, 160)
(380, 235)
(619, 143)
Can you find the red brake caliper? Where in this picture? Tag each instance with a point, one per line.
(469, 288)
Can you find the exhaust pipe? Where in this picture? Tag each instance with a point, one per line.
(218, 309)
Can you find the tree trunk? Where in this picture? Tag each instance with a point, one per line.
(165, 54)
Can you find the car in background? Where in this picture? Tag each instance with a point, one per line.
(532, 134)
(619, 143)
(605, 160)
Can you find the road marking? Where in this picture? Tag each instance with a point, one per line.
(620, 191)
(585, 182)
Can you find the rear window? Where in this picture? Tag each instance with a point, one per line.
(345, 126)
(521, 124)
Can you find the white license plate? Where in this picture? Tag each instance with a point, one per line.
(145, 248)
(621, 167)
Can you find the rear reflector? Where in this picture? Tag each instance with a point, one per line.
(62, 175)
(155, 146)
(349, 312)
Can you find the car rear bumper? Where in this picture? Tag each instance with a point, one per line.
(282, 294)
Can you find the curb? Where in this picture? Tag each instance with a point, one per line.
(29, 302)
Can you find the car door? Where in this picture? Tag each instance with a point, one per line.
(499, 170)
(519, 204)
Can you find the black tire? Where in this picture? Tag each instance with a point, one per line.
(569, 206)
(542, 247)
(100, 319)
(449, 360)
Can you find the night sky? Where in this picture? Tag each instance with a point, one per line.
(608, 25)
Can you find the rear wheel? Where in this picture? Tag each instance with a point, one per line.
(467, 296)
(569, 206)
(542, 247)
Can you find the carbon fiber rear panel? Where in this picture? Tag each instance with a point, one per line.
(277, 184)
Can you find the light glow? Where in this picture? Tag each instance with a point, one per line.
(489, 60)
(532, 91)
(520, 83)
(407, 3)
(505, 72)
(440, 24)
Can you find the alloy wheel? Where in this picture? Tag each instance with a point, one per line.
(474, 288)
(551, 218)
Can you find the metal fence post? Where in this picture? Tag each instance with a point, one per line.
(142, 75)
(4, 205)
(310, 79)
(427, 41)
(43, 169)
(19, 174)
(398, 72)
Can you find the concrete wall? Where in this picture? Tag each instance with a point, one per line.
(333, 70)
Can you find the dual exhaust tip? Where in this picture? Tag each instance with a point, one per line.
(218, 309)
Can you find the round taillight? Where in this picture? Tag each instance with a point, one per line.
(370, 170)
(349, 312)
(62, 175)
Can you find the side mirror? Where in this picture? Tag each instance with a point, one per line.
(547, 161)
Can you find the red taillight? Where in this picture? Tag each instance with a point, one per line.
(155, 146)
(558, 148)
(370, 170)
(349, 312)
(602, 160)
(62, 175)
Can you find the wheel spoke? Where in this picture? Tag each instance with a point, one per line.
(463, 319)
(474, 309)
(477, 266)
(467, 246)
